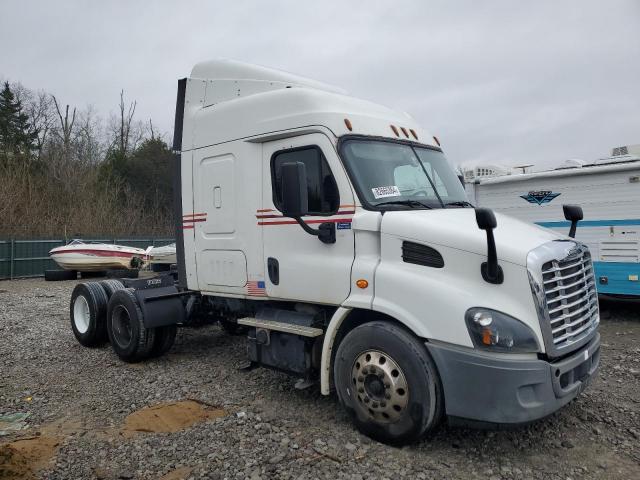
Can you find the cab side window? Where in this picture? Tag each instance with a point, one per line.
(321, 185)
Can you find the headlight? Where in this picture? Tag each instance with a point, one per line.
(495, 331)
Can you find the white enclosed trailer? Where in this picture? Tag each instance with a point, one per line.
(337, 233)
(609, 193)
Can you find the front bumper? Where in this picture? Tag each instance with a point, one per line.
(486, 388)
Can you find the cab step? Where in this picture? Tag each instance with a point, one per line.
(281, 327)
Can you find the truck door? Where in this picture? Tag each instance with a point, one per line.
(219, 237)
(298, 266)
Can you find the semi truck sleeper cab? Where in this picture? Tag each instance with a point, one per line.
(336, 234)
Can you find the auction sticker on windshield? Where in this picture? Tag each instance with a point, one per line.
(384, 192)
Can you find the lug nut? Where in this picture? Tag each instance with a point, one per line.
(387, 396)
(361, 390)
(374, 404)
(366, 399)
(361, 379)
(383, 404)
(387, 385)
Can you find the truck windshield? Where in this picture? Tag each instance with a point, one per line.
(401, 176)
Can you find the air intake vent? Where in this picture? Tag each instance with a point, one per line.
(421, 255)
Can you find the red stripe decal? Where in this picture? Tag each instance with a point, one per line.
(185, 227)
(292, 222)
(194, 215)
(345, 212)
(100, 253)
(192, 220)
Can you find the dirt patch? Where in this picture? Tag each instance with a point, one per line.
(22, 458)
(178, 474)
(169, 417)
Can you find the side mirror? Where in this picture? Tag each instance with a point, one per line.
(295, 201)
(490, 270)
(294, 190)
(485, 219)
(574, 214)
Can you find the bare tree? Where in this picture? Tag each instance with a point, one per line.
(88, 139)
(126, 120)
(66, 128)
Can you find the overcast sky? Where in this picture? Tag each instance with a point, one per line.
(497, 81)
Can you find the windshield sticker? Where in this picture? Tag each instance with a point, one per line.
(384, 192)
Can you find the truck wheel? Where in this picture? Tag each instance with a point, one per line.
(110, 286)
(129, 338)
(88, 311)
(388, 383)
(58, 275)
(164, 339)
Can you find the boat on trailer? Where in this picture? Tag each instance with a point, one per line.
(92, 257)
(165, 255)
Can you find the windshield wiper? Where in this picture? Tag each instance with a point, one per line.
(459, 203)
(409, 203)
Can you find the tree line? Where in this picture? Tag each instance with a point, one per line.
(66, 172)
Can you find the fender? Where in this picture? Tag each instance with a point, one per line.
(327, 348)
(330, 336)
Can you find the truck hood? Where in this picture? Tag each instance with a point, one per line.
(457, 228)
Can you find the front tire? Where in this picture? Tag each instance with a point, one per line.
(388, 383)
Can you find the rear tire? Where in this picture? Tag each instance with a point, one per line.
(164, 340)
(88, 311)
(129, 338)
(388, 383)
(59, 275)
(110, 286)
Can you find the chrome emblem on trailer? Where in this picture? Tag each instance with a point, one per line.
(539, 197)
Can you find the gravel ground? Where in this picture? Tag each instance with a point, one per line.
(80, 400)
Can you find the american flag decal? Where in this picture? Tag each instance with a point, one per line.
(256, 288)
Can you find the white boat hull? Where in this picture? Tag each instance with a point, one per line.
(91, 258)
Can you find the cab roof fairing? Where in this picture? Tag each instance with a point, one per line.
(283, 109)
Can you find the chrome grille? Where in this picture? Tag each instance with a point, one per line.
(564, 286)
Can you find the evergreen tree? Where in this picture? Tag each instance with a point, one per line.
(17, 137)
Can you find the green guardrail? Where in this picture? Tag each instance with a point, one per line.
(30, 258)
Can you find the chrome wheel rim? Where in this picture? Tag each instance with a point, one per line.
(380, 386)
(81, 314)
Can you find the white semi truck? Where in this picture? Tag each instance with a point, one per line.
(336, 234)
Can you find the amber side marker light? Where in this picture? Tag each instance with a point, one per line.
(347, 122)
(362, 283)
(436, 140)
(395, 130)
(413, 132)
(404, 130)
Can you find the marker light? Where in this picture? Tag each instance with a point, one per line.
(362, 283)
(496, 331)
(435, 139)
(347, 122)
(395, 130)
(404, 130)
(413, 132)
